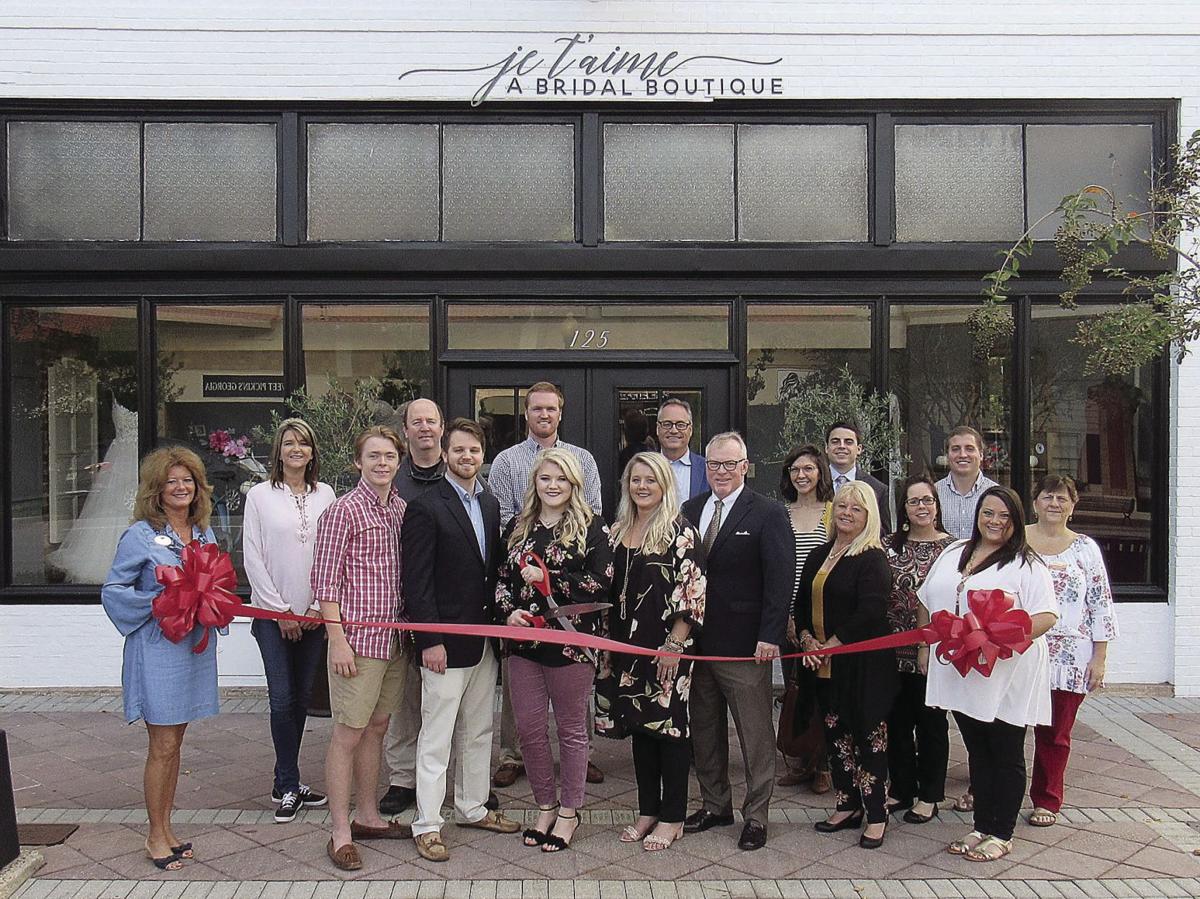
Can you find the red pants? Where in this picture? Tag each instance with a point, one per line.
(1052, 748)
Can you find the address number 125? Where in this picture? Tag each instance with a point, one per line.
(589, 339)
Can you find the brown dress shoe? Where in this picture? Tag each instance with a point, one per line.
(346, 858)
(431, 848)
(393, 831)
(506, 775)
(594, 774)
(822, 783)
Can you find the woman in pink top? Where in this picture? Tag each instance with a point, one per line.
(278, 533)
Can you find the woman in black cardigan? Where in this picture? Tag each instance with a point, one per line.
(843, 599)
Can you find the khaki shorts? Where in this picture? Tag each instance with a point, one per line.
(378, 687)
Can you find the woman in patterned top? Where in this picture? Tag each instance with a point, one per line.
(917, 767)
(1078, 642)
(807, 488)
(658, 602)
(557, 525)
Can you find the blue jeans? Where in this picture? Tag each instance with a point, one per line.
(290, 667)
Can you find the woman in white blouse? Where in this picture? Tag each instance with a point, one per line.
(1078, 642)
(278, 530)
(993, 712)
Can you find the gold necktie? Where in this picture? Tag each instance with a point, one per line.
(713, 526)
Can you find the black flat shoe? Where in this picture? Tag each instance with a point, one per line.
(897, 807)
(867, 842)
(853, 822)
(913, 818)
(698, 822)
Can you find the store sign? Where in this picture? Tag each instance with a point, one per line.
(243, 385)
(574, 69)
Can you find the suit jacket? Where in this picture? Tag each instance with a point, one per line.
(445, 577)
(699, 479)
(750, 569)
(881, 495)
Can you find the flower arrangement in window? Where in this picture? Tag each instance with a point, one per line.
(232, 448)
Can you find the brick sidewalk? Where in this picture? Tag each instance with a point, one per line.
(1127, 831)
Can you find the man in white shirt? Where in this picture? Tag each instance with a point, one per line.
(674, 440)
(959, 491)
(508, 481)
(843, 446)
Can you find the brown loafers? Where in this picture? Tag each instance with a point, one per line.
(496, 822)
(346, 858)
(431, 848)
(506, 775)
(393, 831)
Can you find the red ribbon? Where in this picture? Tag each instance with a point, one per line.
(991, 630)
(198, 591)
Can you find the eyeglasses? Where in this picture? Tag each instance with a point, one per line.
(674, 425)
(921, 501)
(802, 469)
(730, 466)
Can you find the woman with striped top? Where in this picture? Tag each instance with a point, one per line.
(807, 487)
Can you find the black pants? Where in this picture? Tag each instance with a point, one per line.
(858, 757)
(996, 757)
(917, 767)
(661, 769)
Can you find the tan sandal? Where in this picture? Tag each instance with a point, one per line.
(967, 843)
(1043, 817)
(990, 849)
(965, 802)
(657, 842)
(631, 834)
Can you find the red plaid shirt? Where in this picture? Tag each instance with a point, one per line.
(356, 563)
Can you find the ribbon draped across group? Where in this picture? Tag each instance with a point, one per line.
(199, 591)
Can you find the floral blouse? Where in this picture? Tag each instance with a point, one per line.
(1085, 612)
(909, 567)
(649, 593)
(575, 576)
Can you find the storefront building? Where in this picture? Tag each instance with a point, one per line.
(206, 210)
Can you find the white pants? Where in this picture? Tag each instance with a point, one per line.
(455, 707)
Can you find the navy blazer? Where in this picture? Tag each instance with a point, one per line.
(751, 569)
(699, 482)
(445, 577)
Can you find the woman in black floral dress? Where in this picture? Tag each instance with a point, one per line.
(917, 766)
(556, 524)
(658, 602)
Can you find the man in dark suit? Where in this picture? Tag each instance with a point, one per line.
(451, 553)
(750, 569)
(674, 440)
(843, 446)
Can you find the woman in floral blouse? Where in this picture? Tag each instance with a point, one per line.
(1078, 642)
(917, 766)
(658, 602)
(557, 525)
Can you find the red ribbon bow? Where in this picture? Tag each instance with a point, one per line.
(198, 591)
(991, 630)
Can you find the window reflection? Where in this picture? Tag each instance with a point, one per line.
(74, 433)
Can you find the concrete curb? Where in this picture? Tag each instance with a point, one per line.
(19, 870)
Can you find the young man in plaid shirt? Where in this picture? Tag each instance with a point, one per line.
(356, 577)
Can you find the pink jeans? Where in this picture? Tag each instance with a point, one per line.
(534, 688)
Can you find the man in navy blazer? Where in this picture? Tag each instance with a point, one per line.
(750, 568)
(451, 555)
(674, 440)
(843, 445)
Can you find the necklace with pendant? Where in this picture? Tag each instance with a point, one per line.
(300, 500)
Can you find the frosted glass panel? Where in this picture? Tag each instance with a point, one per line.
(959, 182)
(372, 182)
(74, 181)
(668, 182)
(210, 181)
(802, 182)
(508, 182)
(1062, 159)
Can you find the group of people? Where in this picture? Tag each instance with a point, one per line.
(695, 563)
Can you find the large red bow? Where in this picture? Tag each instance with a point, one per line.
(991, 630)
(199, 591)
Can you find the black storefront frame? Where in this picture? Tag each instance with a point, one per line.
(294, 271)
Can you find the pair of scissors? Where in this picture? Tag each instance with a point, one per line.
(573, 610)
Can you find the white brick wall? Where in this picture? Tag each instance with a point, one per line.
(354, 50)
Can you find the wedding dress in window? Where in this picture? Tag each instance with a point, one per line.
(86, 553)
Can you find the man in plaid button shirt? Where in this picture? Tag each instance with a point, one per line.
(356, 577)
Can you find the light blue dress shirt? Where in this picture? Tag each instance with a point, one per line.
(474, 512)
(682, 469)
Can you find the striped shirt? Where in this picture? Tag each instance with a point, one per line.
(958, 509)
(356, 563)
(509, 476)
(806, 542)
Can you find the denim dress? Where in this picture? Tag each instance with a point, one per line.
(162, 682)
